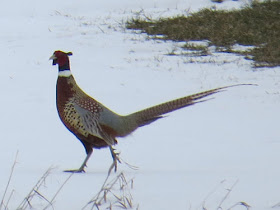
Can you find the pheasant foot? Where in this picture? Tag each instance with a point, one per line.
(116, 159)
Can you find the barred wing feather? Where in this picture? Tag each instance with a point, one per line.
(91, 124)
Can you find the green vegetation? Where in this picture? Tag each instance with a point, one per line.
(257, 25)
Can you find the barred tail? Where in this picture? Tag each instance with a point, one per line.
(149, 115)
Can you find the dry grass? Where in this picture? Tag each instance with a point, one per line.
(27, 202)
(35, 193)
(222, 203)
(257, 25)
(4, 204)
(114, 193)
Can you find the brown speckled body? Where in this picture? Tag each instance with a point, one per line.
(68, 93)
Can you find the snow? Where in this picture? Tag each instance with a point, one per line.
(187, 160)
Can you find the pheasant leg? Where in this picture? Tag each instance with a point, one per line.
(82, 168)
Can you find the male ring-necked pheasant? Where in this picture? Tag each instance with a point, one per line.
(95, 125)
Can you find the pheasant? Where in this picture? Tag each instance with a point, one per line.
(95, 125)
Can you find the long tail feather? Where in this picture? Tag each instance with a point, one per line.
(149, 115)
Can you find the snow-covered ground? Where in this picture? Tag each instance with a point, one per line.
(188, 160)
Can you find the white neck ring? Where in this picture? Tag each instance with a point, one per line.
(64, 73)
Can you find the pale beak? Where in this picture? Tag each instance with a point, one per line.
(53, 57)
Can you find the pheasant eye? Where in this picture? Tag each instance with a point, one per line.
(54, 62)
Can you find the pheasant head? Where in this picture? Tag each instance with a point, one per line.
(61, 58)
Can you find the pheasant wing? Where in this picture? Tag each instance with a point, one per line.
(90, 122)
